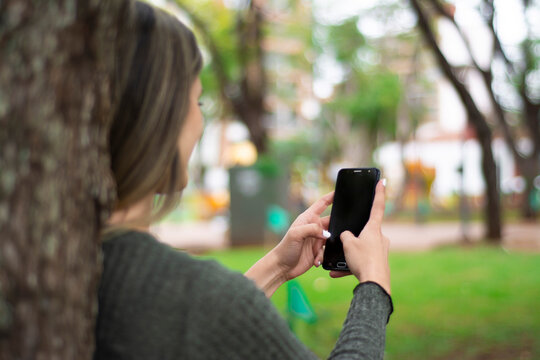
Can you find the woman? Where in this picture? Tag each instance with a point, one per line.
(158, 303)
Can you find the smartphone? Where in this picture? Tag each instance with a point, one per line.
(353, 198)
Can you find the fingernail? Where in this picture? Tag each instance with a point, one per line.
(326, 234)
(384, 182)
(318, 263)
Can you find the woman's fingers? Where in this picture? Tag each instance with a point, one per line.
(318, 251)
(301, 232)
(346, 237)
(377, 209)
(325, 221)
(338, 274)
(320, 205)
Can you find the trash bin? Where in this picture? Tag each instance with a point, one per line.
(252, 193)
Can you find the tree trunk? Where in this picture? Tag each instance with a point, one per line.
(244, 97)
(252, 115)
(250, 104)
(55, 185)
(518, 72)
(492, 211)
(492, 206)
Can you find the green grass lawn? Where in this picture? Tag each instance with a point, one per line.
(451, 303)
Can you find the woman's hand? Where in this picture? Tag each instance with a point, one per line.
(367, 254)
(302, 246)
(298, 251)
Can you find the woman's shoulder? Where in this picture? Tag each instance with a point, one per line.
(139, 257)
(150, 295)
(144, 253)
(141, 272)
(153, 297)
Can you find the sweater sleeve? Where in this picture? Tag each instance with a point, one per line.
(364, 331)
(244, 324)
(248, 325)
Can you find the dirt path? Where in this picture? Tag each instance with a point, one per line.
(203, 236)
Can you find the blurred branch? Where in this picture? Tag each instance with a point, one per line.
(441, 10)
(487, 77)
(250, 52)
(530, 109)
(249, 104)
(478, 121)
(496, 41)
(528, 164)
(472, 110)
(244, 97)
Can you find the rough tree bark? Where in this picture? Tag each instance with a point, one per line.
(55, 188)
(492, 213)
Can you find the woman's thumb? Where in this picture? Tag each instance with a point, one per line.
(346, 237)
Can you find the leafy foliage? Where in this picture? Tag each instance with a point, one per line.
(373, 105)
(370, 93)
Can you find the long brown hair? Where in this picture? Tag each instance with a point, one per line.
(157, 63)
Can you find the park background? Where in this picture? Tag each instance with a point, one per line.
(443, 97)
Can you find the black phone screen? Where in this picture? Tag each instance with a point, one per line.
(353, 198)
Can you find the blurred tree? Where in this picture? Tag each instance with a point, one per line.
(521, 73)
(55, 186)
(393, 83)
(510, 76)
(477, 120)
(369, 101)
(234, 40)
(369, 95)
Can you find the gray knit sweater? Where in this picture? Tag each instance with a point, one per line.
(159, 303)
